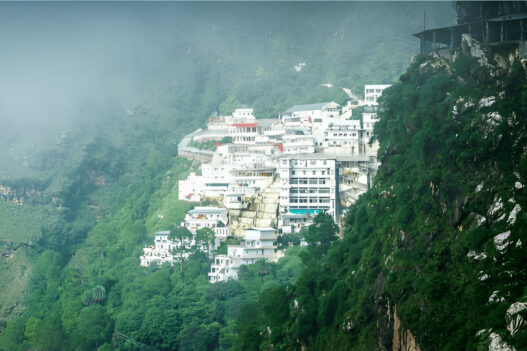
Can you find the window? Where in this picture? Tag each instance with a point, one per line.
(314, 172)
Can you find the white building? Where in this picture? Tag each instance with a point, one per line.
(369, 119)
(160, 252)
(191, 188)
(311, 114)
(163, 250)
(215, 218)
(222, 123)
(293, 223)
(309, 185)
(166, 250)
(258, 245)
(232, 164)
(298, 142)
(372, 92)
(342, 136)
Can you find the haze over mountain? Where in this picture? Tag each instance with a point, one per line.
(94, 98)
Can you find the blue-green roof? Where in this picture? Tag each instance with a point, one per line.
(309, 107)
(304, 211)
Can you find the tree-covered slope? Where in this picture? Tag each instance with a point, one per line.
(434, 255)
(94, 96)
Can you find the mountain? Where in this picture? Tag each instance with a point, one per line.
(433, 256)
(95, 96)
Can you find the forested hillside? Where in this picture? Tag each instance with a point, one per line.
(93, 100)
(434, 256)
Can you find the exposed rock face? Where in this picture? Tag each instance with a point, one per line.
(403, 339)
(497, 344)
(514, 317)
(470, 47)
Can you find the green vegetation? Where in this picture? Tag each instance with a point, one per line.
(21, 223)
(210, 145)
(407, 242)
(96, 190)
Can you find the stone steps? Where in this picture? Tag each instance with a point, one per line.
(261, 213)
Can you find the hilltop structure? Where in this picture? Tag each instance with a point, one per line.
(239, 173)
(499, 25)
(309, 185)
(273, 175)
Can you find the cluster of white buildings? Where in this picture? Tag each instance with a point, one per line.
(315, 156)
(259, 244)
(214, 218)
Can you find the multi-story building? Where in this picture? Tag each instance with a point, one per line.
(215, 218)
(293, 223)
(342, 134)
(309, 185)
(298, 142)
(369, 118)
(308, 115)
(372, 92)
(258, 245)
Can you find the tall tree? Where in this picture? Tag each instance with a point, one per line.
(205, 236)
(180, 236)
(321, 234)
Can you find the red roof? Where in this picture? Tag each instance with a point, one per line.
(245, 125)
(280, 146)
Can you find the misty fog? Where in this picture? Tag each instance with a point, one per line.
(82, 67)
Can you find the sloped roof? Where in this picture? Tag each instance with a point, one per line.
(309, 107)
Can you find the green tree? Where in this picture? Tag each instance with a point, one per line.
(180, 236)
(12, 336)
(44, 334)
(205, 236)
(321, 234)
(94, 327)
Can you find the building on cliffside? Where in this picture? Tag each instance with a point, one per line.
(498, 25)
(258, 245)
(308, 186)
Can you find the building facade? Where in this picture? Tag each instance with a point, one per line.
(258, 245)
(309, 185)
(373, 92)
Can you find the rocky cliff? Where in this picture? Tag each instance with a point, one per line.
(442, 233)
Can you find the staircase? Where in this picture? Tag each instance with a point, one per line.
(261, 213)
